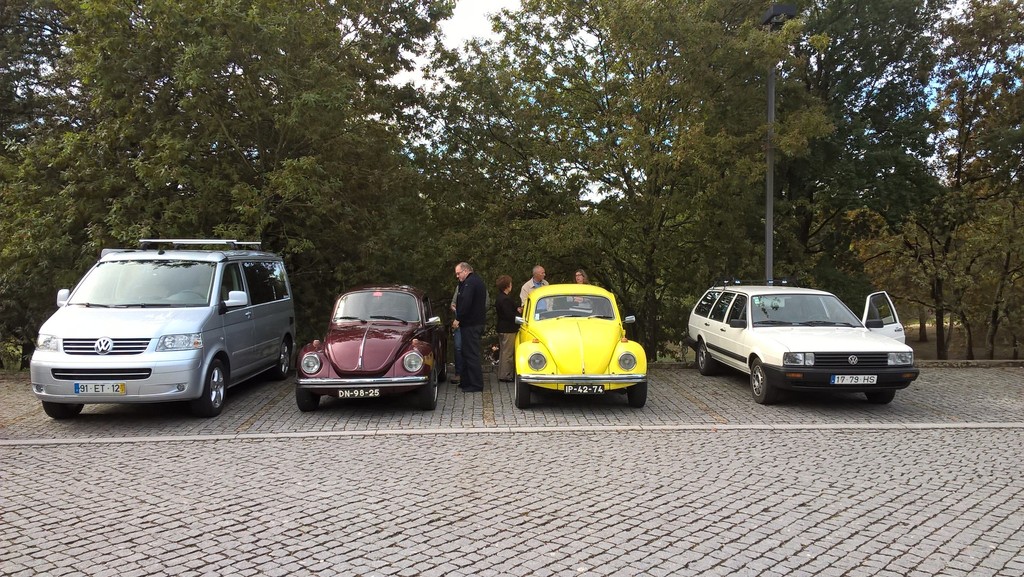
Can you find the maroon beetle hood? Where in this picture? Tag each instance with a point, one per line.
(379, 344)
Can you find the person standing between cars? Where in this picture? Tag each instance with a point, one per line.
(505, 310)
(470, 316)
(581, 277)
(537, 280)
(456, 340)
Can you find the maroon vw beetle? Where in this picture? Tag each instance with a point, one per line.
(382, 340)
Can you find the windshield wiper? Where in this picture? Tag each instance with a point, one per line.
(825, 324)
(346, 318)
(92, 305)
(772, 323)
(389, 318)
(141, 305)
(609, 317)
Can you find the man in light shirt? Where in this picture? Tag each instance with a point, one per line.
(537, 280)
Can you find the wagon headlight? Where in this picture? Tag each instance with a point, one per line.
(627, 361)
(185, 342)
(799, 359)
(310, 363)
(47, 343)
(413, 362)
(901, 358)
(537, 362)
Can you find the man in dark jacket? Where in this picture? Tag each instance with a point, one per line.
(470, 317)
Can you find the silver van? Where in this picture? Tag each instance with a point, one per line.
(174, 320)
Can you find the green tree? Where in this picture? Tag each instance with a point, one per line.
(257, 119)
(623, 137)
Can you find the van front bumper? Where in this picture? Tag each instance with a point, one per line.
(173, 376)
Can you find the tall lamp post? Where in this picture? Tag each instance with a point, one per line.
(773, 18)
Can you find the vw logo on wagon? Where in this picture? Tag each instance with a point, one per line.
(103, 345)
(853, 359)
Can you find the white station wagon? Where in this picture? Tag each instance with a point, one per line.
(801, 339)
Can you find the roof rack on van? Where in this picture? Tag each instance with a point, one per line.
(148, 243)
(785, 281)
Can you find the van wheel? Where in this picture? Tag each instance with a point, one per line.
(763, 392)
(880, 397)
(426, 396)
(306, 401)
(706, 365)
(521, 394)
(284, 361)
(61, 411)
(637, 395)
(211, 402)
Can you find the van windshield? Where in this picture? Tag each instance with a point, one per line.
(146, 283)
(801, 309)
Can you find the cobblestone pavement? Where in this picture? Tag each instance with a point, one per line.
(701, 481)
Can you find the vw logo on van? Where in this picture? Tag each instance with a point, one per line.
(103, 345)
(853, 359)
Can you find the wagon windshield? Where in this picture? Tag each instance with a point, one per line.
(562, 306)
(146, 283)
(376, 305)
(804, 310)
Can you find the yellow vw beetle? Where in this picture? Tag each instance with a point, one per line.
(571, 340)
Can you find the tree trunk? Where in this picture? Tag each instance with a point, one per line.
(969, 346)
(922, 322)
(941, 340)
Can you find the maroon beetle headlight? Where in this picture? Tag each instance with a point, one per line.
(310, 363)
(413, 362)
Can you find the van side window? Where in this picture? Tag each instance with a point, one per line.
(738, 312)
(232, 281)
(266, 281)
(718, 313)
(704, 306)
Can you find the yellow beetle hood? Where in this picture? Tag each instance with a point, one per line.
(579, 345)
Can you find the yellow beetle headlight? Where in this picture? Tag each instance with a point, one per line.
(537, 362)
(627, 361)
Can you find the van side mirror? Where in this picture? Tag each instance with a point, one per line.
(63, 296)
(235, 299)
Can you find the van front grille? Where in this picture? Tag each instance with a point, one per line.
(101, 374)
(845, 360)
(111, 346)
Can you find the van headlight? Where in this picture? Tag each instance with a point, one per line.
(186, 342)
(627, 361)
(310, 363)
(413, 362)
(798, 359)
(906, 358)
(47, 343)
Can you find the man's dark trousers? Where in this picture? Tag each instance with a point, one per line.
(473, 375)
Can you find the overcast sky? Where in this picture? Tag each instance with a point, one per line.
(470, 19)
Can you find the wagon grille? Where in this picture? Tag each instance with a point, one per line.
(842, 360)
(112, 346)
(101, 374)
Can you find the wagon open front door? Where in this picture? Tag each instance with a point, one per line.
(879, 307)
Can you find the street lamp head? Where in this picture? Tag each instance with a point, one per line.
(777, 14)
